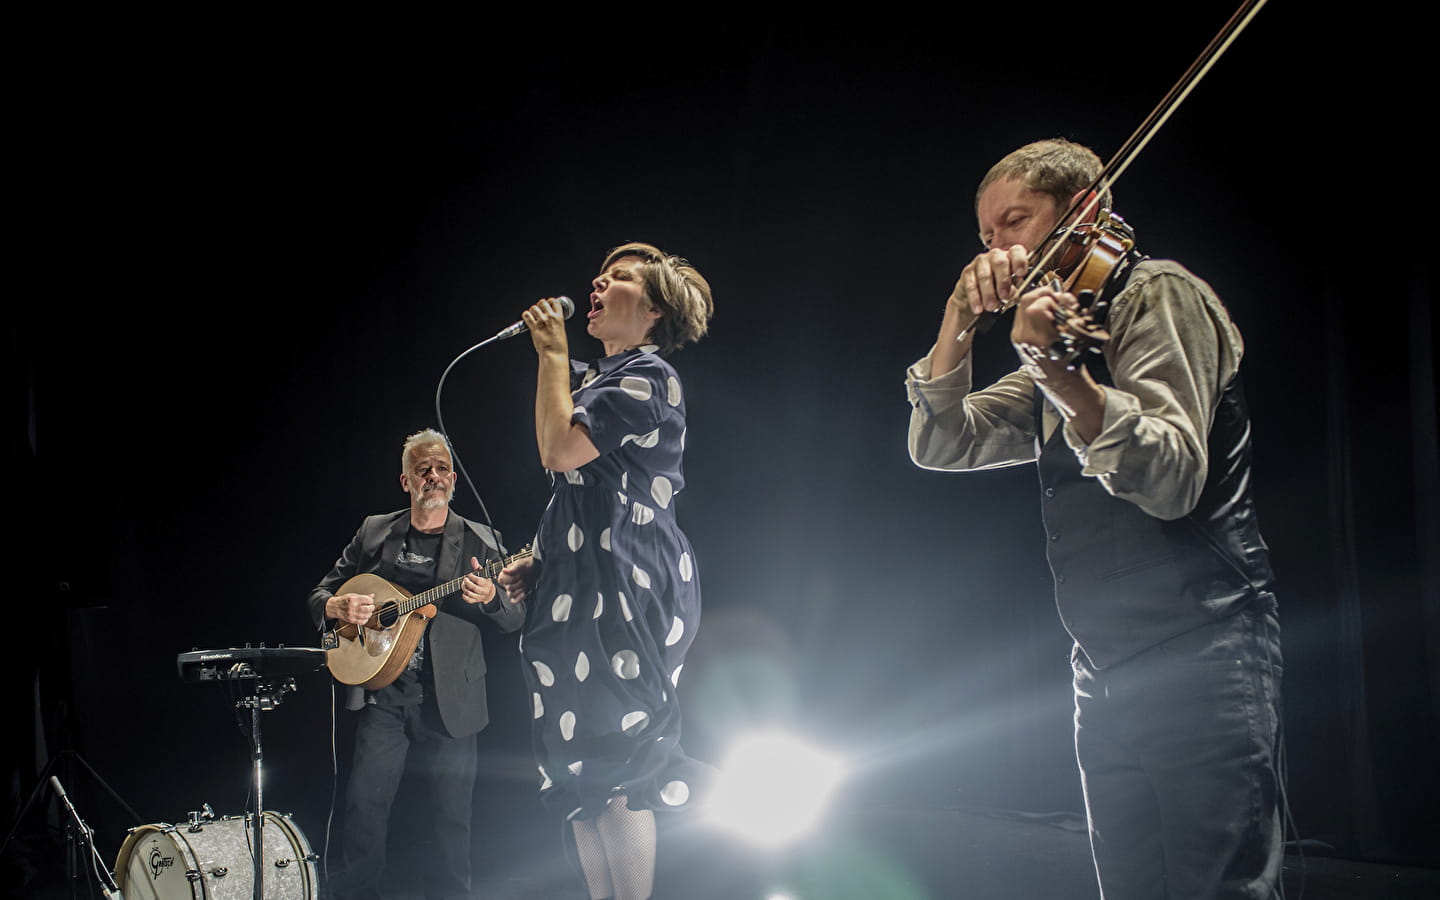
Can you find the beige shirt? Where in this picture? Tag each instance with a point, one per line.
(1172, 351)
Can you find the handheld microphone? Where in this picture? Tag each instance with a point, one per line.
(567, 306)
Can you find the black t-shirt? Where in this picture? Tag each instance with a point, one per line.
(413, 569)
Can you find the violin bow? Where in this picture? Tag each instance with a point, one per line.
(1112, 170)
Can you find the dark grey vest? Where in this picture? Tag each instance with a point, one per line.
(1126, 581)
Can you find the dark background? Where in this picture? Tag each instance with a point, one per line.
(249, 249)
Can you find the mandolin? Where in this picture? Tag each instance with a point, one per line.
(373, 655)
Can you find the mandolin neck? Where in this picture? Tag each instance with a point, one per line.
(441, 591)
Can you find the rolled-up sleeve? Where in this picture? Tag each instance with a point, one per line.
(1174, 350)
(954, 429)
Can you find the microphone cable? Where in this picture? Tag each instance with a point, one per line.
(568, 307)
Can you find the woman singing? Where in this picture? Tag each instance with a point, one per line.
(613, 588)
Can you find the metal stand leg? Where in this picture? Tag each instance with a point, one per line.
(267, 696)
(259, 805)
(46, 773)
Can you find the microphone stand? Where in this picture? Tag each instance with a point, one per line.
(77, 836)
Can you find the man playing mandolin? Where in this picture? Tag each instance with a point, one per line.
(428, 716)
(1161, 576)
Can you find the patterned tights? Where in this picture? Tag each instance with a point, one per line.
(617, 851)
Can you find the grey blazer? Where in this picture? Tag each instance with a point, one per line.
(453, 636)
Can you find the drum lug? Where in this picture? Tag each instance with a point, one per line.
(219, 871)
(195, 815)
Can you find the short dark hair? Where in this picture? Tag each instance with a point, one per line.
(1056, 167)
(673, 287)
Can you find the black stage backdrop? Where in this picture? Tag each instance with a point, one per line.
(249, 248)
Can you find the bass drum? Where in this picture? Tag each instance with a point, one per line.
(212, 861)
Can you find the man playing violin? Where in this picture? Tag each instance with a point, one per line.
(1161, 575)
(426, 721)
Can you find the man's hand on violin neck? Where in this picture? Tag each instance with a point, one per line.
(988, 283)
(1073, 392)
(1035, 314)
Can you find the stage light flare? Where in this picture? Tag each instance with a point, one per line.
(773, 788)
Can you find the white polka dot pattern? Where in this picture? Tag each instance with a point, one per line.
(640, 577)
(639, 388)
(634, 722)
(634, 406)
(647, 440)
(662, 490)
(626, 665)
(560, 609)
(675, 793)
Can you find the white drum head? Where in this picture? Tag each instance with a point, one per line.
(154, 865)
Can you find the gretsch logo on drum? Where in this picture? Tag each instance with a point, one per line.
(159, 863)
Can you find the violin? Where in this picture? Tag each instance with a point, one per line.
(1090, 258)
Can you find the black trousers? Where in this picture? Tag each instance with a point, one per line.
(388, 739)
(1177, 750)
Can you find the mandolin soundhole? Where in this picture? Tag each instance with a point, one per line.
(388, 614)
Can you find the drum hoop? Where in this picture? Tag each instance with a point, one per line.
(137, 834)
(309, 871)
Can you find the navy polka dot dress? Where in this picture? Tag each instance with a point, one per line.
(617, 601)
